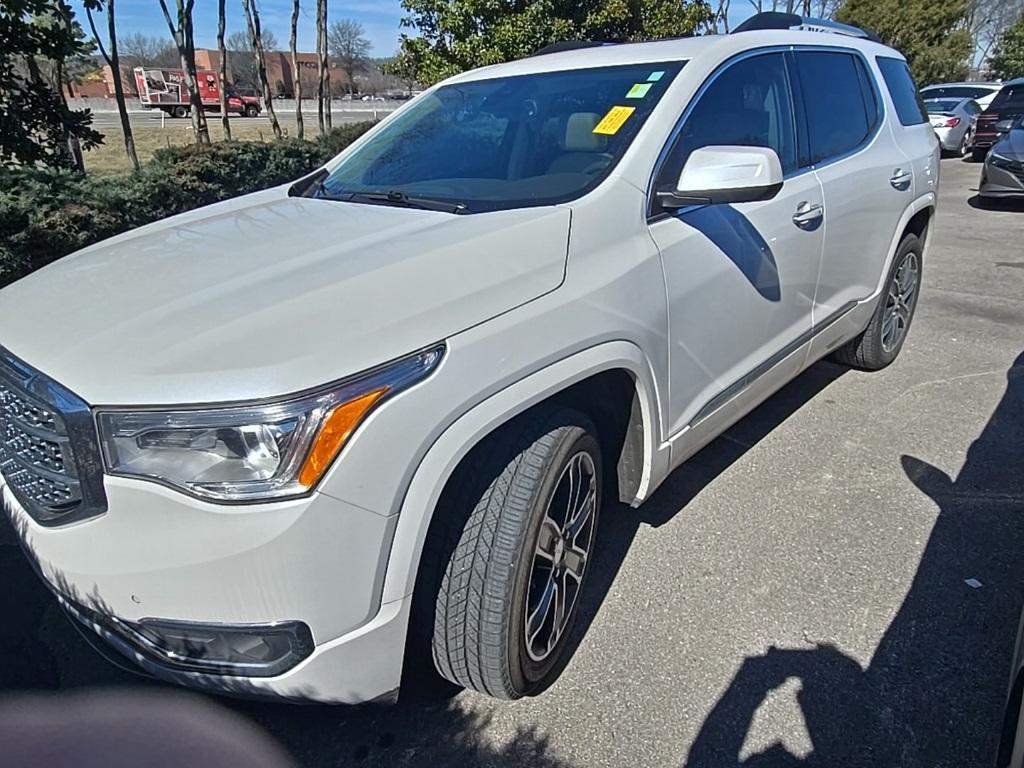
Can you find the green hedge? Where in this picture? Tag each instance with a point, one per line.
(46, 214)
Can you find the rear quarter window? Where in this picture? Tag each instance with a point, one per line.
(909, 106)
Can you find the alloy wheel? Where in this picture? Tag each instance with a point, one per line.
(899, 304)
(561, 556)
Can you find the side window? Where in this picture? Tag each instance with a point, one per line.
(747, 104)
(838, 119)
(972, 107)
(909, 107)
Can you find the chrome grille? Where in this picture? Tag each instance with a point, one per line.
(48, 455)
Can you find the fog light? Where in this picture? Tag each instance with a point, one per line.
(263, 650)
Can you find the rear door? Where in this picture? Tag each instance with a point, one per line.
(866, 179)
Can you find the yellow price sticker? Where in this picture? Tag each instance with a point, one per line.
(613, 121)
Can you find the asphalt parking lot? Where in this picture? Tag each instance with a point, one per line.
(795, 595)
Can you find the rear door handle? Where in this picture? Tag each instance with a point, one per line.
(808, 215)
(901, 179)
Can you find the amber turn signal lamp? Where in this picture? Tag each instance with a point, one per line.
(338, 425)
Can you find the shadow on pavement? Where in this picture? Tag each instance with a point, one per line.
(41, 650)
(1010, 204)
(931, 694)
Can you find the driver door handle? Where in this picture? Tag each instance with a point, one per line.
(808, 215)
(901, 179)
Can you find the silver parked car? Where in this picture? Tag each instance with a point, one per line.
(954, 121)
(1003, 174)
(981, 92)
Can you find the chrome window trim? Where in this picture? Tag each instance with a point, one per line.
(799, 110)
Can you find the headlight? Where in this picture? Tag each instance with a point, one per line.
(252, 452)
(1000, 160)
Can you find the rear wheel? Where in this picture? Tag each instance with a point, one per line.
(882, 340)
(179, 111)
(526, 511)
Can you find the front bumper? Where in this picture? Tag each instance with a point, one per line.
(1000, 182)
(157, 554)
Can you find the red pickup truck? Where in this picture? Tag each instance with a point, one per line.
(167, 90)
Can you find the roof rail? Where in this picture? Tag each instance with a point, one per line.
(571, 45)
(779, 20)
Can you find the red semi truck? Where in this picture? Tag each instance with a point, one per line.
(167, 90)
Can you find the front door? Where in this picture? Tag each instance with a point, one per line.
(740, 278)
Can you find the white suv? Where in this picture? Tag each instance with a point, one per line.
(279, 444)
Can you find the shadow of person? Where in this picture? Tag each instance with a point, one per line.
(933, 692)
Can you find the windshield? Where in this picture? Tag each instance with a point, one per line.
(937, 106)
(510, 142)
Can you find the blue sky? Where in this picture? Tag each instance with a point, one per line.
(380, 19)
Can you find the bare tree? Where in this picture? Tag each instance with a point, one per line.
(349, 47)
(243, 56)
(146, 51)
(185, 42)
(114, 62)
(986, 20)
(323, 87)
(296, 78)
(223, 51)
(57, 79)
(252, 18)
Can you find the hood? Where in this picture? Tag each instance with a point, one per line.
(1011, 145)
(268, 294)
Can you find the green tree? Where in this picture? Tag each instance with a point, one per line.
(932, 34)
(1007, 61)
(36, 125)
(456, 35)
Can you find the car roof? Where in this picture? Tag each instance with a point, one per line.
(1015, 82)
(719, 47)
(980, 83)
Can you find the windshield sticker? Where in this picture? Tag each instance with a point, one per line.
(613, 121)
(656, 76)
(639, 90)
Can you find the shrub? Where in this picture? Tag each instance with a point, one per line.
(48, 214)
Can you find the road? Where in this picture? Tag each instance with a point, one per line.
(110, 121)
(795, 595)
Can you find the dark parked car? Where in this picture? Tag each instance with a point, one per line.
(1007, 105)
(1003, 174)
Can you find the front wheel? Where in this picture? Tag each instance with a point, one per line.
(251, 110)
(179, 111)
(882, 340)
(511, 587)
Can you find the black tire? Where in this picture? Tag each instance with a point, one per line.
(494, 517)
(978, 155)
(179, 111)
(870, 351)
(251, 110)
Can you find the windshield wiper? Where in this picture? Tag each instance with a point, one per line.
(408, 201)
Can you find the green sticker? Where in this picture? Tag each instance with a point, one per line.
(656, 76)
(639, 90)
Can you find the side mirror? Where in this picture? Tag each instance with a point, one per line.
(1004, 126)
(726, 174)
